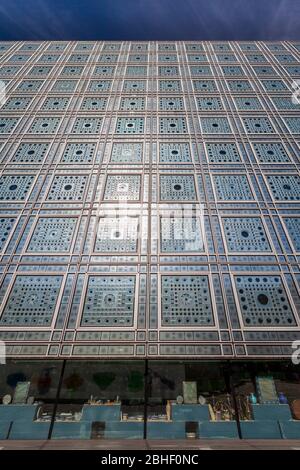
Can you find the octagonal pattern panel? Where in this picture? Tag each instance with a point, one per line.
(232, 187)
(245, 234)
(15, 188)
(127, 152)
(186, 301)
(67, 188)
(263, 301)
(177, 188)
(109, 301)
(174, 153)
(180, 235)
(117, 235)
(122, 188)
(32, 301)
(284, 187)
(52, 234)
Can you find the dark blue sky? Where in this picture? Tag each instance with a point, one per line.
(150, 19)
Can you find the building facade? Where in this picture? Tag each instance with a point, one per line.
(150, 239)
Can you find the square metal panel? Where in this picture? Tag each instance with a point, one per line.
(109, 301)
(30, 152)
(17, 103)
(258, 125)
(108, 58)
(166, 46)
(186, 301)
(232, 70)
(32, 301)
(102, 86)
(232, 188)
(239, 85)
(7, 124)
(270, 152)
(197, 58)
(263, 301)
(167, 58)
(168, 71)
(6, 226)
(136, 71)
(169, 85)
(127, 152)
(122, 188)
(132, 104)
(93, 103)
(200, 71)
(177, 188)
(274, 85)
(130, 125)
(194, 47)
(138, 58)
(52, 234)
(174, 152)
(215, 125)
(173, 125)
(133, 86)
(248, 103)
(40, 71)
(44, 125)
(245, 234)
(78, 58)
(222, 153)
(209, 103)
(293, 226)
(49, 58)
(72, 71)
(205, 86)
(65, 86)
(171, 104)
(15, 188)
(285, 103)
(112, 46)
(263, 71)
(284, 187)
(117, 235)
(9, 70)
(30, 85)
(78, 153)
(222, 46)
(87, 125)
(67, 188)
(140, 46)
(56, 103)
(293, 124)
(180, 235)
(104, 71)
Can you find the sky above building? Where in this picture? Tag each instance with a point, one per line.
(149, 19)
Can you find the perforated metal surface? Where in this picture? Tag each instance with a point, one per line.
(245, 234)
(232, 187)
(30, 85)
(6, 225)
(169, 85)
(30, 152)
(293, 124)
(186, 301)
(293, 227)
(87, 125)
(222, 153)
(215, 125)
(174, 152)
(136, 71)
(67, 188)
(259, 125)
(205, 86)
(65, 86)
(239, 86)
(274, 85)
(209, 103)
(177, 188)
(130, 125)
(178, 234)
(127, 152)
(52, 234)
(263, 301)
(132, 104)
(93, 104)
(109, 301)
(78, 153)
(7, 124)
(284, 187)
(44, 125)
(122, 188)
(99, 86)
(32, 301)
(17, 103)
(15, 188)
(173, 125)
(117, 235)
(247, 103)
(134, 86)
(270, 152)
(171, 104)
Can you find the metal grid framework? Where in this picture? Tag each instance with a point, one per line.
(163, 127)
